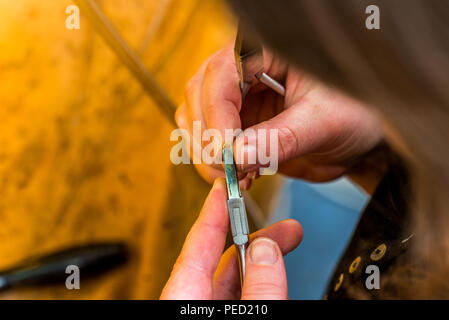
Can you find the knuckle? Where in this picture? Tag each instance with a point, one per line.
(264, 289)
(216, 63)
(207, 173)
(288, 143)
(189, 88)
(189, 266)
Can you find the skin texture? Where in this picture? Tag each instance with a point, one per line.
(322, 133)
(202, 271)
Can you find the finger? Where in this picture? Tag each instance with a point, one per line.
(265, 276)
(181, 117)
(192, 95)
(192, 274)
(311, 123)
(323, 123)
(209, 173)
(192, 148)
(194, 119)
(245, 183)
(197, 125)
(221, 96)
(287, 233)
(308, 169)
(286, 136)
(274, 66)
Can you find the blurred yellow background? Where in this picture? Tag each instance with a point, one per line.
(84, 152)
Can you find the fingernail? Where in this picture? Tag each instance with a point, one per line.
(246, 152)
(218, 183)
(247, 159)
(263, 251)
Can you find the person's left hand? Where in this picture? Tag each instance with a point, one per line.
(202, 272)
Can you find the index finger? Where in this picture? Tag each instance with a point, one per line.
(221, 98)
(193, 272)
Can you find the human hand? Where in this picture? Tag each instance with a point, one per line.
(203, 272)
(321, 132)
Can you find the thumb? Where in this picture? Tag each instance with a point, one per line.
(265, 277)
(288, 135)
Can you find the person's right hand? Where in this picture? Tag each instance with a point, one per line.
(322, 133)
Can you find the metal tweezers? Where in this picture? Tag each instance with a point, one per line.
(249, 62)
(236, 208)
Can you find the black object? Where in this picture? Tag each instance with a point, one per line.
(91, 259)
(381, 237)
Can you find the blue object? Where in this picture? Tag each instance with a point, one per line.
(328, 213)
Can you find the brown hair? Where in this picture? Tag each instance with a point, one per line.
(402, 70)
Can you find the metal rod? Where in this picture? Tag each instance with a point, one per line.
(241, 250)
(271, 83)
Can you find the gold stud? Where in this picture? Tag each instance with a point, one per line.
(354, 265)
(379, 252)
(339, 282)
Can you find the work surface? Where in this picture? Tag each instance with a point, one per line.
(84, 152)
